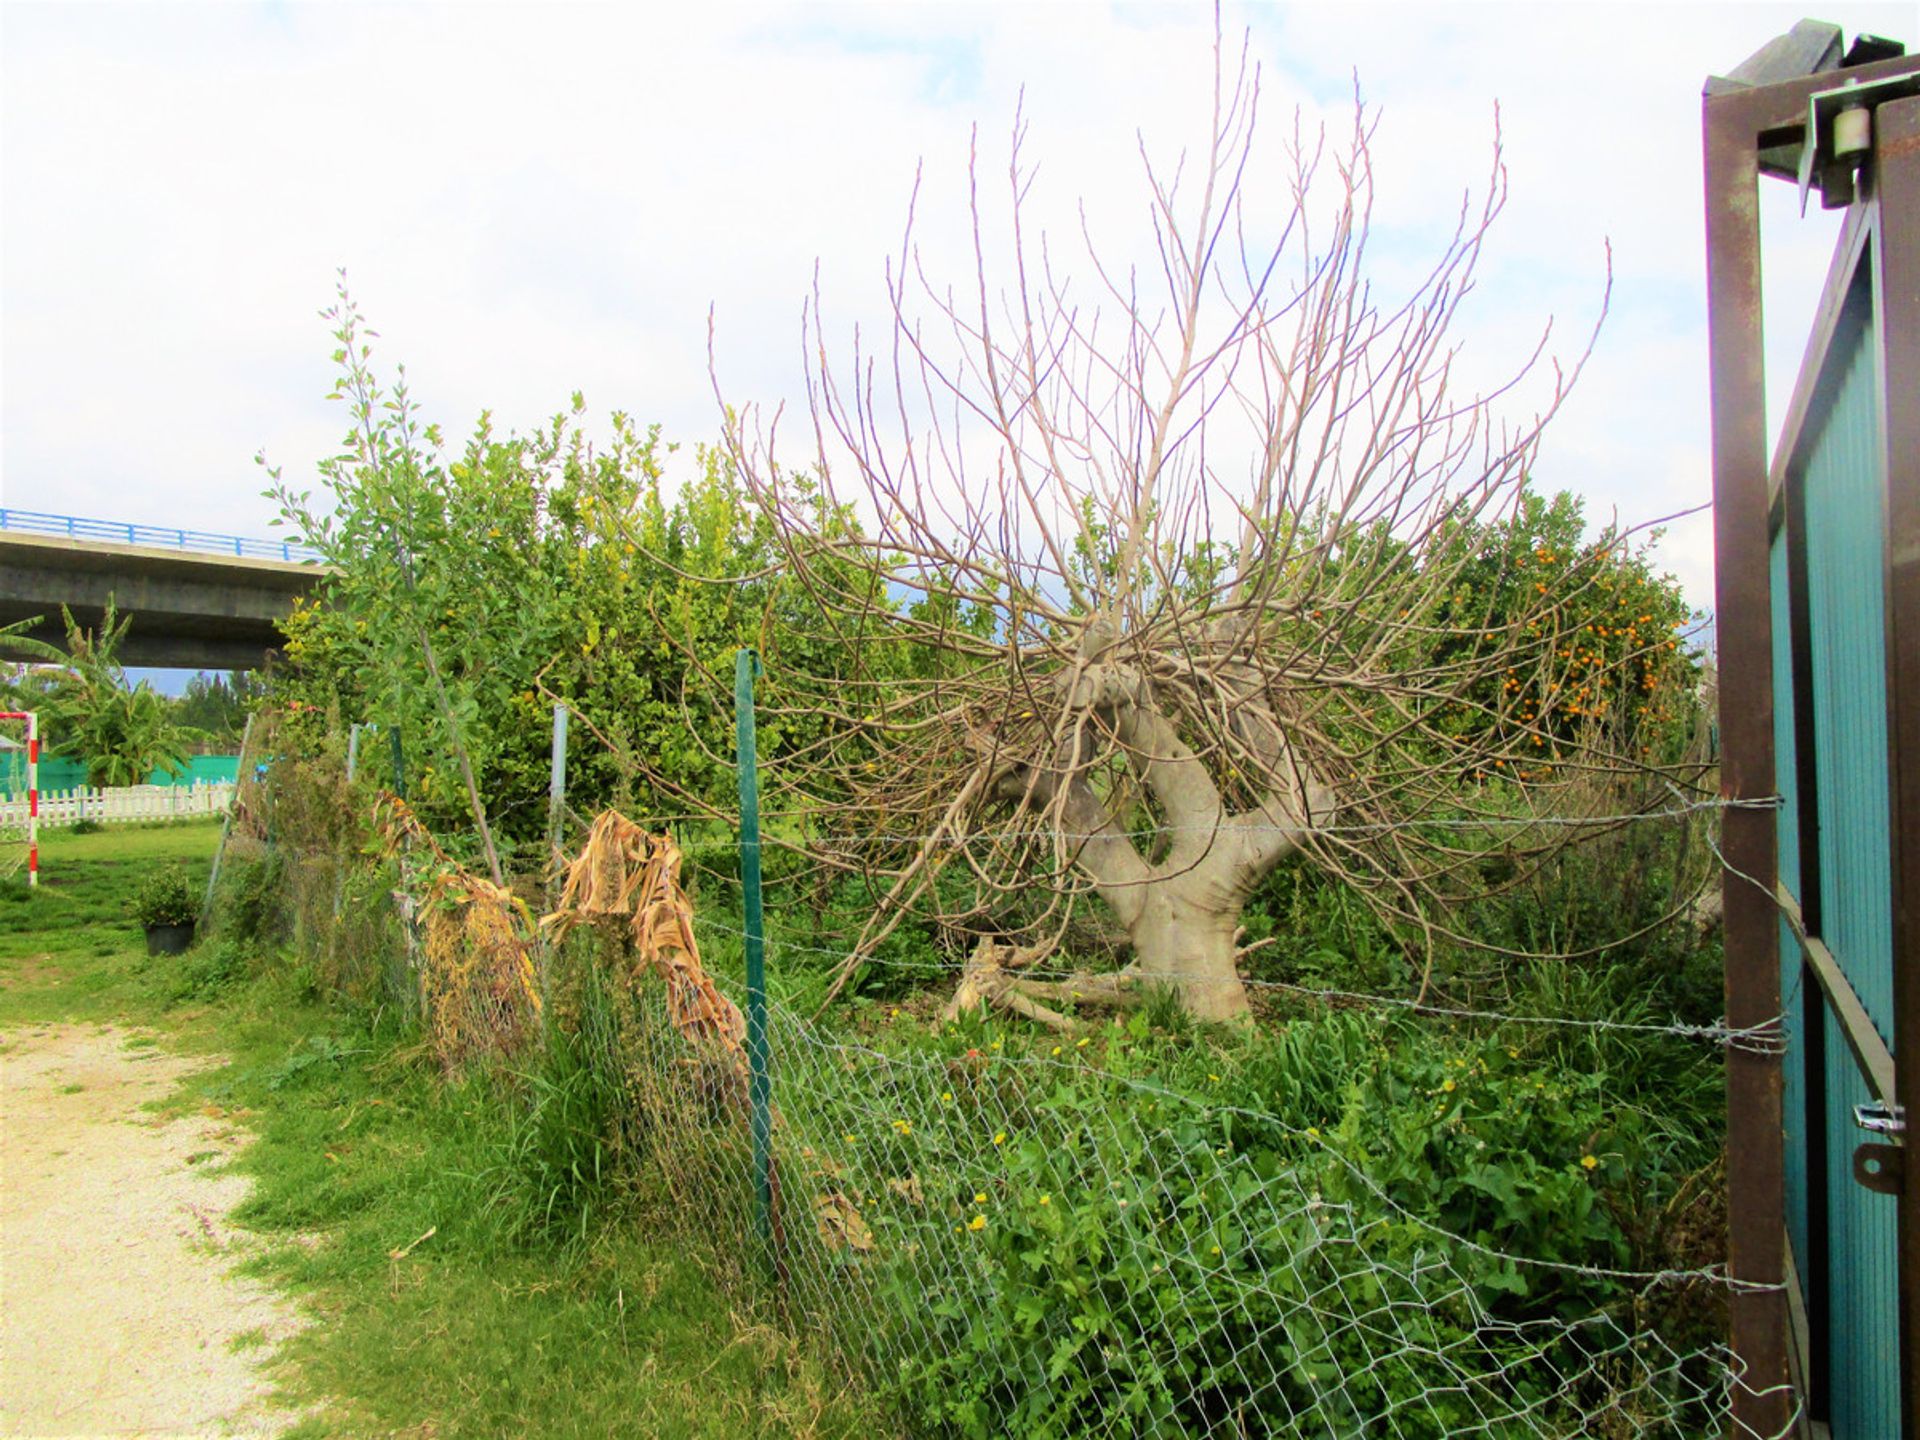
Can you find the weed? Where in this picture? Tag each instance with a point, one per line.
(209, 970)
(304, 1062)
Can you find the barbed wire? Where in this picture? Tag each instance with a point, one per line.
(1228, 826)
(1761, 1038)
(803, 1030)
(1298, 1293)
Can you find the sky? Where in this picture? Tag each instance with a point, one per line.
(530, 201)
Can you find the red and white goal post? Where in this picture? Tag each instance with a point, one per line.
(33, 793)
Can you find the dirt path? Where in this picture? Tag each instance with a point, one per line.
(119, 1314)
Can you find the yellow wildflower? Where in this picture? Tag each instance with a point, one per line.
(1447, 1085)
(999, 1137)
(979, 1197)
(1587, 1162)
(979, 1222)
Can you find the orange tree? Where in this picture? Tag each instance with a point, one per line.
(1616, 627)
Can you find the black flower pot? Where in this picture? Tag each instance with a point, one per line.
(169, 939)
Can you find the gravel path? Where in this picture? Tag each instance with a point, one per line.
(119, 1311)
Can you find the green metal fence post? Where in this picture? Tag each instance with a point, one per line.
(399, 763)
(556, 801)
(340, 870)
(746, 663)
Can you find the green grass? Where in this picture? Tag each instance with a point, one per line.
(387, 1195)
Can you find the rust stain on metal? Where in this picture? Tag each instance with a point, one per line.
(1901, 148)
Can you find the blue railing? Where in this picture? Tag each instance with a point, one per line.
(72, 527)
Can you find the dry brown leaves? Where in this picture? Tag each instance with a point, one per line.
(625, 874)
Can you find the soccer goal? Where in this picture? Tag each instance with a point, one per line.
(20, 794)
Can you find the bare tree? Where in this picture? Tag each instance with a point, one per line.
(1150, 587)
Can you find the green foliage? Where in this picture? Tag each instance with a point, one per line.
(1611, 624)
(542, 568)
(246, 905)
(1159, 1231)
(89, 712)
(166, 899)
(559, 1161)
(1153, 1234)
(216, 706)
(359, 1150)
(308, 1062)
(209, 971)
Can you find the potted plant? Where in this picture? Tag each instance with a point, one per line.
(166, 909)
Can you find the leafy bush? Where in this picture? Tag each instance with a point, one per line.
(248, 901)
(1294, 1232)
(210, 970)
(166, 899)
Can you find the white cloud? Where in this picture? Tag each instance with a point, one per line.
(537, 200)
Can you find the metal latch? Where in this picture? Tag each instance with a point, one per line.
(1882, 1117)
(1881, 1168)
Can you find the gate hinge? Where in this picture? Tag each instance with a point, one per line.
(1881, 1168)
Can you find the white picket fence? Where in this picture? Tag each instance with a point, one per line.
(122, 803)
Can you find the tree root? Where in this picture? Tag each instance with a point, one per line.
(992, 979)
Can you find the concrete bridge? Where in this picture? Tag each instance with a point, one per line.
(198, 601)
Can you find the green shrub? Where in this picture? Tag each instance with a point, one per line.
(1291, 1233)
(247, 902)
(210, 970)
(166, 898)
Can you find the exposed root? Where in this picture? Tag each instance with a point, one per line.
(992, 979)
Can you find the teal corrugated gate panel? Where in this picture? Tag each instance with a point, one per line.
(1795, 1000)
(1846, 537)
(1843, 485)
(1864, 1288)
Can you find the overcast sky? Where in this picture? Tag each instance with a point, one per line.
(532, 200)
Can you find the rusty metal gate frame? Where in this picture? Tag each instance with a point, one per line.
(1738, 126)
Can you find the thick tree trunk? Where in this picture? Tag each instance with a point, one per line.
(1188, 944)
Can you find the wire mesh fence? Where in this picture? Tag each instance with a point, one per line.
(1076, 1237)
(1364, 1216)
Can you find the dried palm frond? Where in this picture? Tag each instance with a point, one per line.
(627, 877)
(478, 988)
